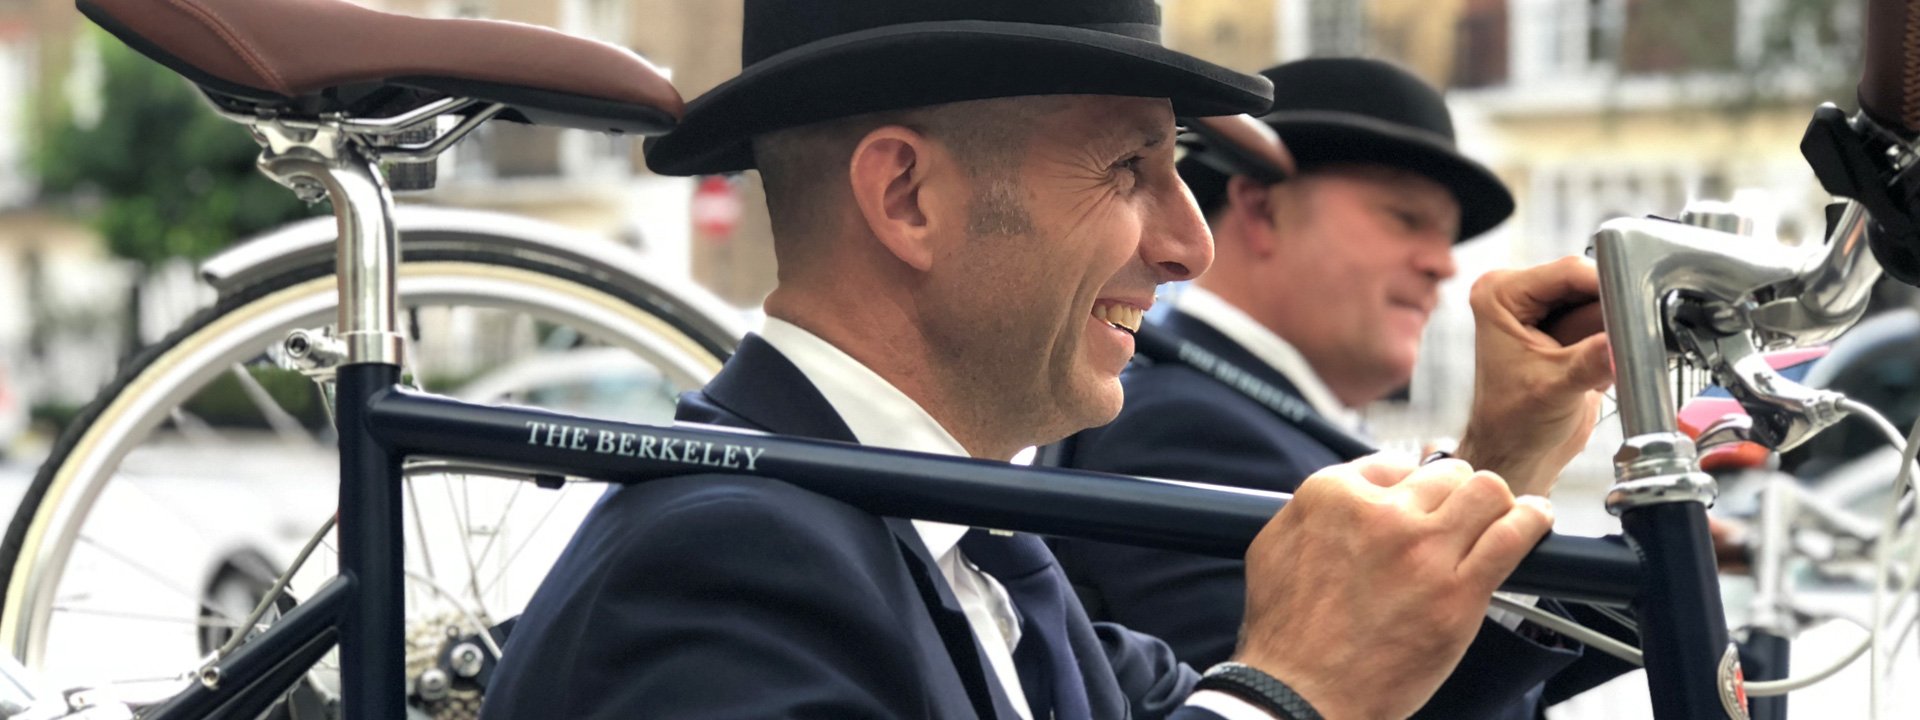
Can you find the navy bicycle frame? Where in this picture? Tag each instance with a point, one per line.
(381, 424)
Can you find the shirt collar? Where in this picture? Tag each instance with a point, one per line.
(1203, 305)
(878, 413)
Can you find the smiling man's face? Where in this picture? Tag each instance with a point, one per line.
(1037, 307)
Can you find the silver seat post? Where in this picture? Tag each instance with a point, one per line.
(323, 162)
(317, 160)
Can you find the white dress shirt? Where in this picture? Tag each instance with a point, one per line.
(1201, 304)
(882, 416)
(1283, 357)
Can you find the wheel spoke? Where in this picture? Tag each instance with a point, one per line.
(191, 426)
(157, 578)
(420, 528)
(283, 423)
(201, 621)
(524, 542)
(502, 522)
(465, 527)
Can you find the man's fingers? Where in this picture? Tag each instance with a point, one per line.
(1530, 294)
(1507, 541)
(1385, 469)
(1477, 502)
(1430, 486)
(1568, 325)
(1592, 367)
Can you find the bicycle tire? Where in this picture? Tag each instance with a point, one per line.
(43, 529)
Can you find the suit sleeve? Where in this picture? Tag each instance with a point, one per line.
(1193, 602)
(1597, 667)
(1196, 603)
(731, 604)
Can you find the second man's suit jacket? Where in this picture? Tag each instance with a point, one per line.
(1181, 424)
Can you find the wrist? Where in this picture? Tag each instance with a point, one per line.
(1520, 470)
(1260, 688)
(1320, 697)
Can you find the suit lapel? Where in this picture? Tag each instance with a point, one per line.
(759, 388)
(1188, 328)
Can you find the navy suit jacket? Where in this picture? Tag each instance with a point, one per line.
(1179, 423)
(722, 596)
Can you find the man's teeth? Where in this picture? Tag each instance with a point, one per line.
(1125, 317)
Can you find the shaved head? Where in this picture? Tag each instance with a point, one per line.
(805, 168)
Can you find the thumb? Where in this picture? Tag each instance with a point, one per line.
(1592, 367)
(1507, 541)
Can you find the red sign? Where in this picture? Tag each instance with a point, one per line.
(716, 207)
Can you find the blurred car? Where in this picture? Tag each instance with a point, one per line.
(600, 382)
(1877, 363)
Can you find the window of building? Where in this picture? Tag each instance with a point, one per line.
(1336, 27)
(512, 151)
(603, 20)
(590, 155)
(1480, 45)
(16, 80)
(1560, 38)
(1567, 203)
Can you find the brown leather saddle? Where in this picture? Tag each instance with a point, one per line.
(307, 58)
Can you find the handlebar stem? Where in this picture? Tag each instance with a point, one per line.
(1641, 262)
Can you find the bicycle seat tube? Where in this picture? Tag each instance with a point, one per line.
(325, 158)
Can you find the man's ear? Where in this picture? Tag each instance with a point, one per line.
(1253, 206)
(887, 173)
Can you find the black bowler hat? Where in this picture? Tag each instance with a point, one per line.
(812, 60)
(1350, 110)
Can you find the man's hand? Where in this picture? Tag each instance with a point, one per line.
(1540, 360)
(1730, 546)
(1366, 589)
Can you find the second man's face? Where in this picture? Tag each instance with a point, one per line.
(1367, 252)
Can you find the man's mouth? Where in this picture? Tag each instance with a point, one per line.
(1121, 316)
(1423, 308)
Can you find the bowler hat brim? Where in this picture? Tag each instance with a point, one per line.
(933, 63)
(1322, 138)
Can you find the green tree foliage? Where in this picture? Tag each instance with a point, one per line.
(161, 174)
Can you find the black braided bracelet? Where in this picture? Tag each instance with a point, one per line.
(1263, 690)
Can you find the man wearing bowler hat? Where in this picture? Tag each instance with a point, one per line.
(972, 202)
(1323, 284)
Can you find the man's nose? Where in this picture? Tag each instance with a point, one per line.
(1435, 258)
(1176, 243)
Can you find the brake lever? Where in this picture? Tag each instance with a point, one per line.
(1783, 413)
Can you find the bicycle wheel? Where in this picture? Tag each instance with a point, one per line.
(159, 515)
